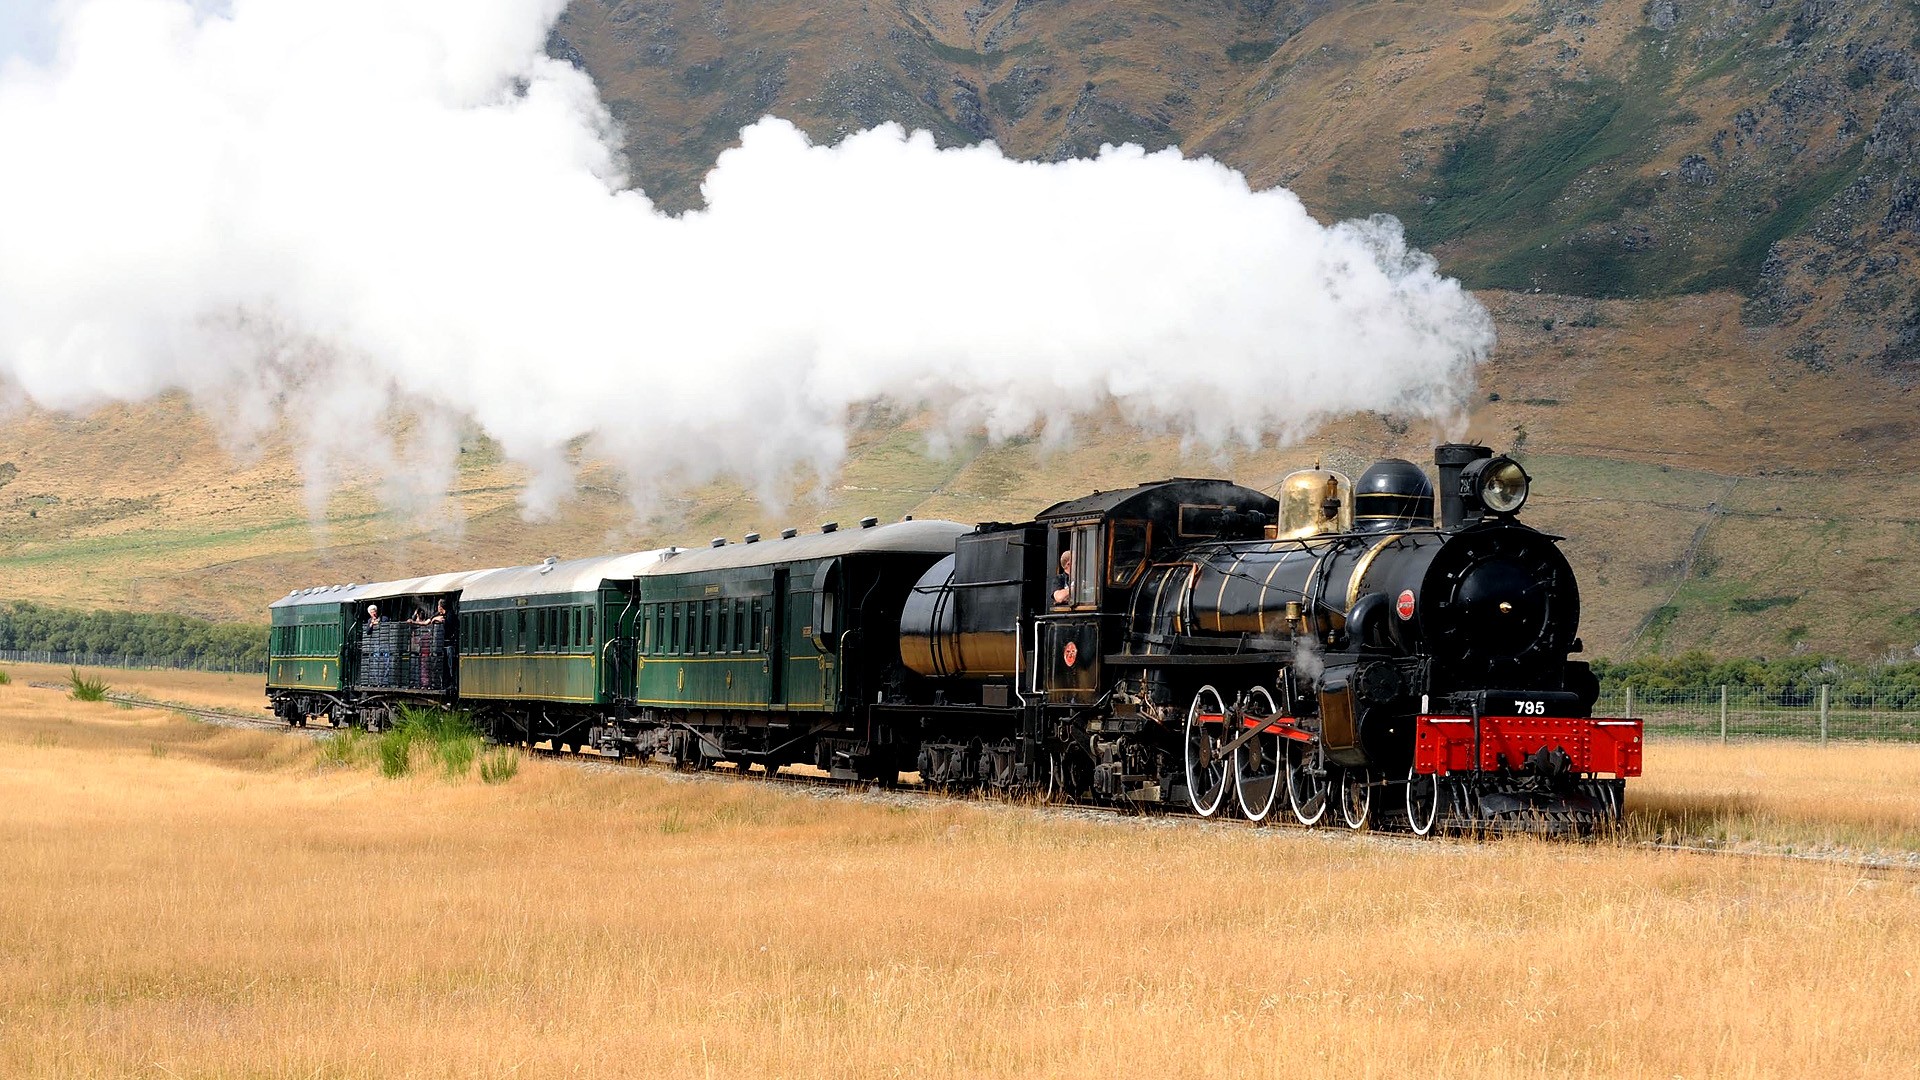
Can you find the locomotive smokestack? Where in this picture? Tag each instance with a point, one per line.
(1451, 459)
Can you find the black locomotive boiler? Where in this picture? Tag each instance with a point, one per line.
(1360, 651)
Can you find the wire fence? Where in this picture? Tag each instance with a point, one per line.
(1739, 712)
(114, 660)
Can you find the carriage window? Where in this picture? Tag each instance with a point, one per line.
(723, 640)
(588, 633)
(739, 626)
(706, 626)
(753, 627)
(1126, 552)
(660, 638)
(673, 639)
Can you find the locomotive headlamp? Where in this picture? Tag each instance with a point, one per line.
(1497, 483)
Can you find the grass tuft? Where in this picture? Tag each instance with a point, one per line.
(5, 678)
(499, 765)
(394, 754)
(456, 755)
(85, 689)
(346, 749)
(421, 738)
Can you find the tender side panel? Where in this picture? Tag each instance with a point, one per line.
(303, 648)
(1605, 745)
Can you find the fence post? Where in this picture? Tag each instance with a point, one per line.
(1823, 714)
(1629, 702)
(1723, 714)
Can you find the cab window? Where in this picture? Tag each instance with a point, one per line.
(1126, 552)
(1076, 581)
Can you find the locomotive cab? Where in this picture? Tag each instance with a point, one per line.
(1103, 545)
(1069, 576)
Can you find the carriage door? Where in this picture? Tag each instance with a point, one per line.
(776, 637)
(522, 638)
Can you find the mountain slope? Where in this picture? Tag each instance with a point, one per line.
(1586, 147)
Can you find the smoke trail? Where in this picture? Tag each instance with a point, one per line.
(338, 208)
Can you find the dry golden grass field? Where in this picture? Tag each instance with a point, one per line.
(185, 900)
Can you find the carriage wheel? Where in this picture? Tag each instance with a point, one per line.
(1423, 802)
(1306, 790)
(1260, 761)
(1356, 797)
(1207, 774)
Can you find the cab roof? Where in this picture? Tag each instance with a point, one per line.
(1136, 501)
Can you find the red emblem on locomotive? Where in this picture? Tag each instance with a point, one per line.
(1405, 607)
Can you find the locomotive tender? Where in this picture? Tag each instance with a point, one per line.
(1356, 651)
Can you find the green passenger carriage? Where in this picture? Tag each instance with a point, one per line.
(552, 634)
(764, 651)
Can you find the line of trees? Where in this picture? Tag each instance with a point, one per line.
(135, 635)
(1789, 680)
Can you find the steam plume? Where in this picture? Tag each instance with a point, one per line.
(342, 207)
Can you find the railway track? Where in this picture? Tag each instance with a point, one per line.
(1704, 848)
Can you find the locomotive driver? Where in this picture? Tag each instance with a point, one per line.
(1063, 581)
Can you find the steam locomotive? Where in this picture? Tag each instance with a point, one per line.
(1336, 653)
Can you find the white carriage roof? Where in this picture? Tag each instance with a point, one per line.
(923, 537)
(586, 575)
(555, 578)
(373, 592)
(540, 579)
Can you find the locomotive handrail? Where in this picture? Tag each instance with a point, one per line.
(1195, 659)
(951, 584)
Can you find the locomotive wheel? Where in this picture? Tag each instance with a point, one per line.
(1423, 802)
(1069, 774)
(1258, 764)
(1306, 792)
(1356, 797)
(1207, 774)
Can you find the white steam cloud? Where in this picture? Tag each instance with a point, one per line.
(336, 209)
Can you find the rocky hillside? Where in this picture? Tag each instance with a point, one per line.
(1595, 148)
